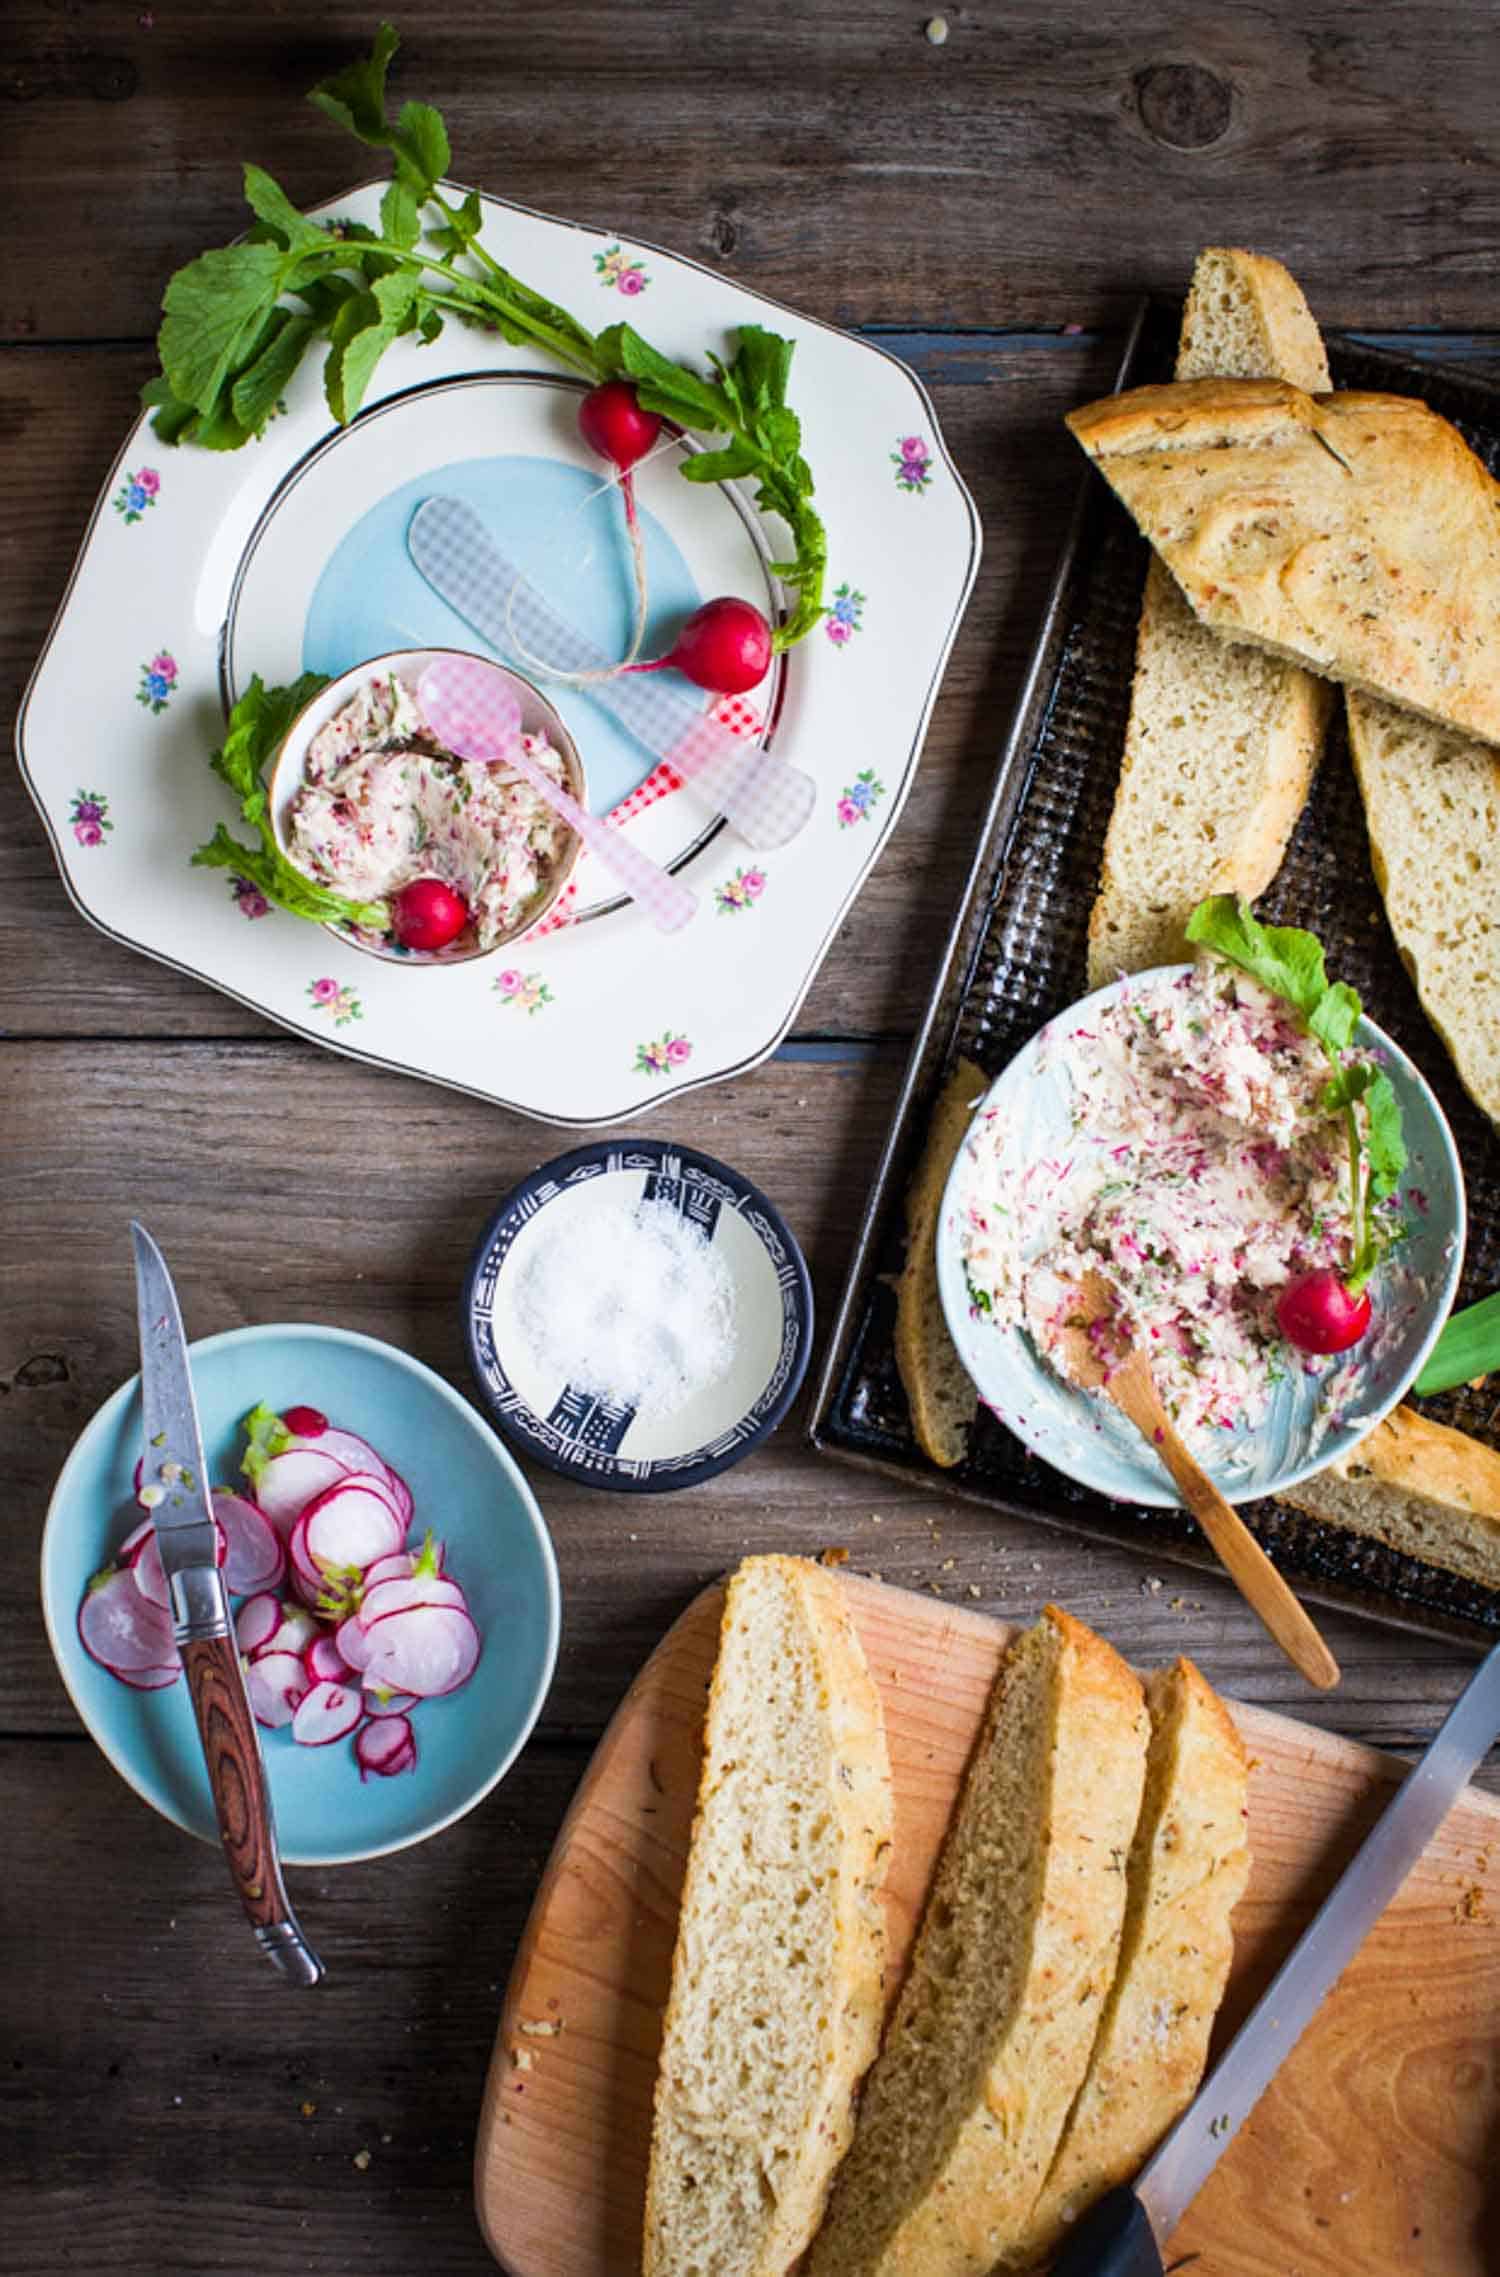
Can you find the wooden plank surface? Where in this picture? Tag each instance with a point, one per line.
(1041, 166)
(566, 2127)
(974, 201)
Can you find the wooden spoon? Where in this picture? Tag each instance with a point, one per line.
(1127, 1381)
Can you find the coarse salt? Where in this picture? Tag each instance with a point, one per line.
(631, 1303)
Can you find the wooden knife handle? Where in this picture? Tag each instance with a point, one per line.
(242, 1802)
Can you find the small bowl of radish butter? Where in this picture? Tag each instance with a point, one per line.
(438, 859)
(1263, 1180)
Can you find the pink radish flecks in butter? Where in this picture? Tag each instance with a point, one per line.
(1200, 1175)
(383, 804)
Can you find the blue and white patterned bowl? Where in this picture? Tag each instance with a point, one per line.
(587, 1438)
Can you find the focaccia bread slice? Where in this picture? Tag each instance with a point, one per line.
(1189, 1864)
(779, 1969)
(1017, 1948)
(1222, 742)
(1356, 534)
(1419, 1487)
(1432, 804)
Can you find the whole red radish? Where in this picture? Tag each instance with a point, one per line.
(611, 422)
(1318, 1314)
(725, 647)
(428, 914)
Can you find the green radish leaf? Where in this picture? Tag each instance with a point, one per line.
(401, 213)
(1468, 1348)
(211, 308)
(275, 209)
(262, 383)
(736, 459)
(421, 139)
(1281, 957)
(1385, 1148)
(355, 97)
(267, 1436)
(1335, 1016)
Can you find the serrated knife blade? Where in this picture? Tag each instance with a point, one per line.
(175, 1489)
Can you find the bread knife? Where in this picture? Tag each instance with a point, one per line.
(174, 1487)
(1123, 2236)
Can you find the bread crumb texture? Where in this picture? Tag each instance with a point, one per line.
(777, 1977)
(1016, 1951)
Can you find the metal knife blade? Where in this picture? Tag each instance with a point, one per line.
(174, 1487)
(1347, 1915)
(174, 1476)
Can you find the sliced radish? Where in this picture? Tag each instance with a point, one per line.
(330, 1592)
(352, 1525)
(379, 1702)
(133, 1540)
(257, 1622)
(253, 1555)
(426, 1649)
(324, 1662)
(386, 1747)
(350, 1642)
(397, 1567)
(148, 1679)
(405, 1503)
(275, 1682)
(121, 1629)
(291, 1481)
(296, 1633)
(148, 1573)
(417, 1589)
(326, 1713)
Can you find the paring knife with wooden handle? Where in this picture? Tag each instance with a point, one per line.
(174, 1487)
(1124, 2234)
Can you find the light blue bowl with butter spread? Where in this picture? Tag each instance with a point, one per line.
(1081, 1433)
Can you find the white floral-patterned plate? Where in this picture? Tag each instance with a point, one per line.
(200, 568)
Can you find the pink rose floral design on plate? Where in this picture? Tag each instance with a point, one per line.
(912, 461)
(845, 612)
(616, 268)
(742, 891)
(861, 798)
(89, 815)
(659, 1058)
(248, 898)
(342, 1004)
(137, 494)
(158, 679)
(526, 990)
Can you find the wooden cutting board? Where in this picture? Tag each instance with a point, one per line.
(1375, 2154)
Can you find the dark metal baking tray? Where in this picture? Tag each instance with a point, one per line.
(1016, 957)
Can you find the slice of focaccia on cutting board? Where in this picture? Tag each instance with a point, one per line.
(1432, 803)
(1016, 1951)
(1357, 534)
(778, 1973)
(1189, 1864)
(1222, 741)
(938, 1388)
(1418, 1487)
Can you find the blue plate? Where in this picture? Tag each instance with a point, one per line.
(467, 1488)
(589, 1438)
(1079, 1433)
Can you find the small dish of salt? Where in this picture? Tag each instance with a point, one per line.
(638, 1316)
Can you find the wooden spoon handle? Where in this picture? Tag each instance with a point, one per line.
(1246, 1563)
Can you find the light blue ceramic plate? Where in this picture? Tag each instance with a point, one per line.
(467, 1488)
(1080, 1433)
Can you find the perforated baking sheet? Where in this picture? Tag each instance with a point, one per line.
(1016, 957)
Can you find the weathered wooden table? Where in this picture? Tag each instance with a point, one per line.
(990, 207)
